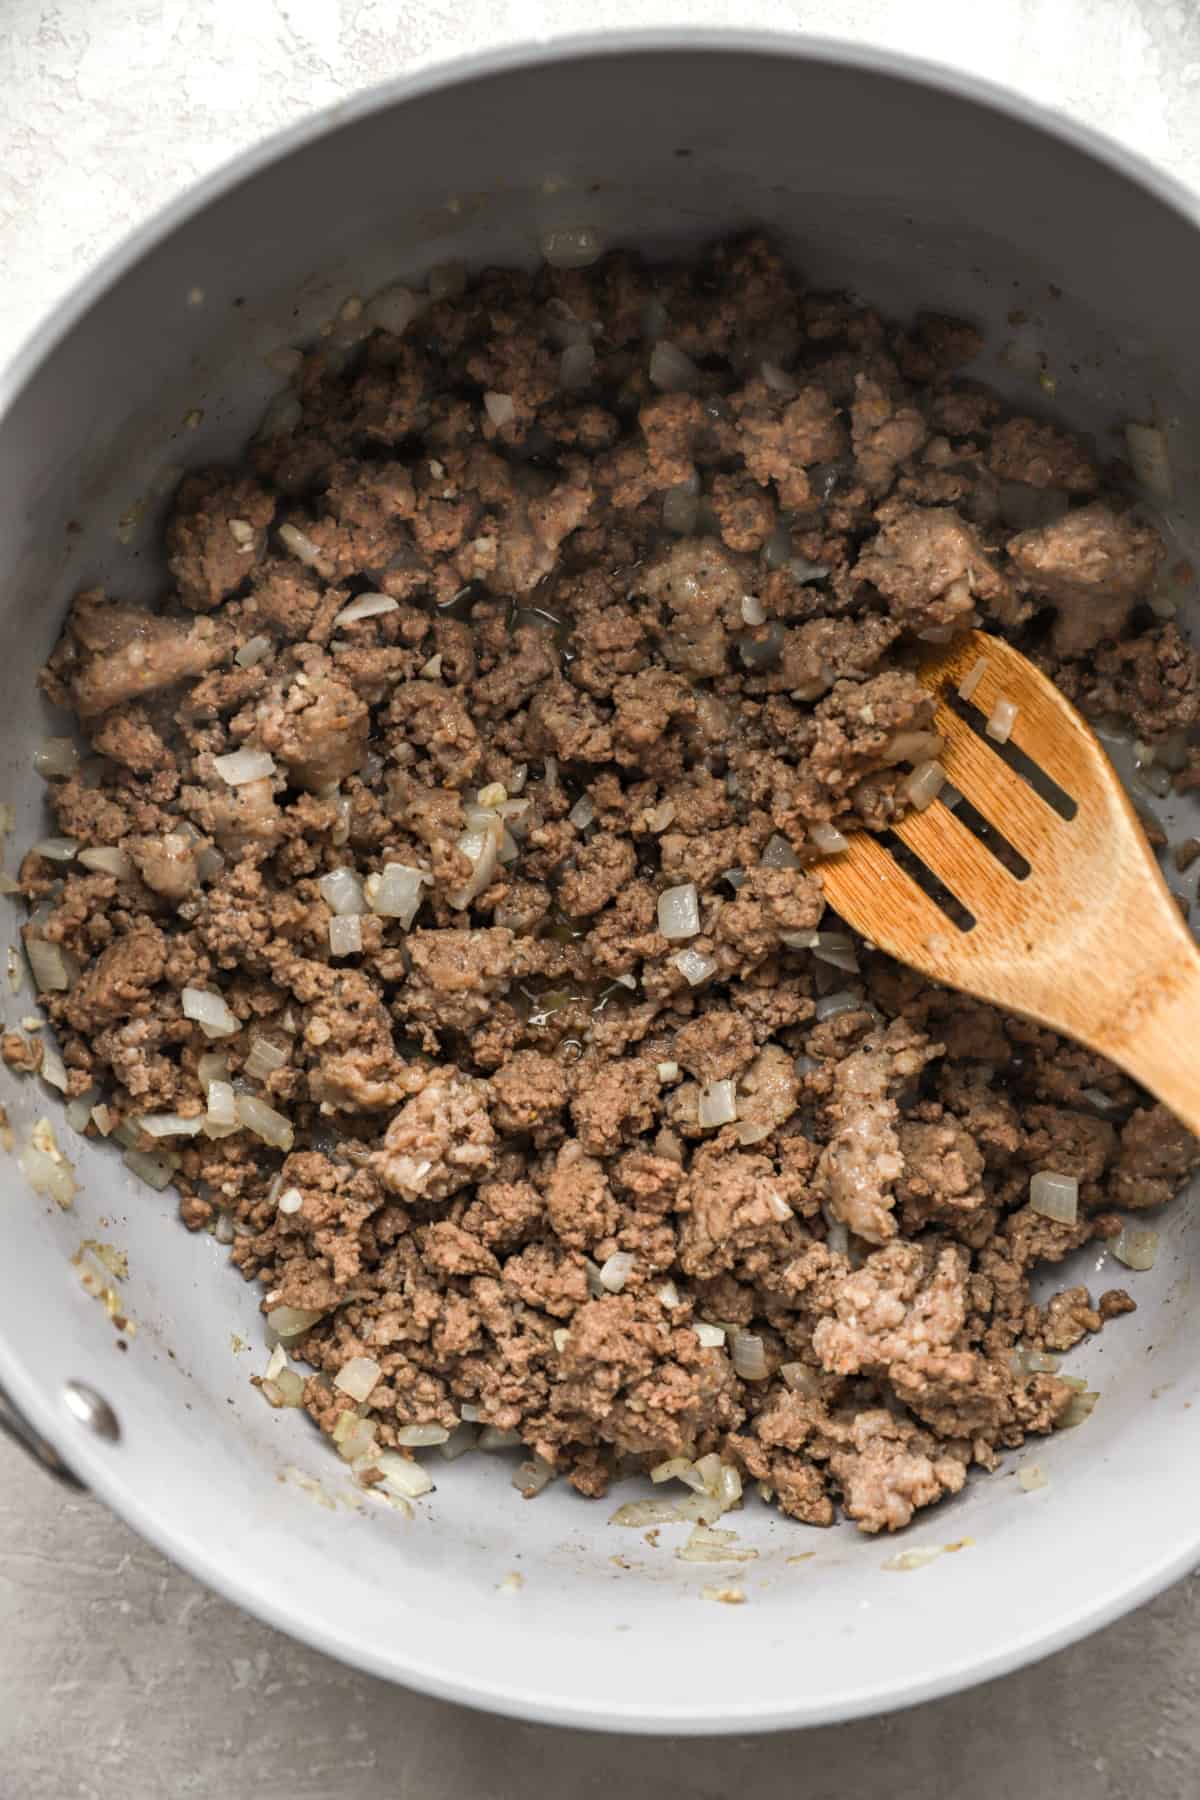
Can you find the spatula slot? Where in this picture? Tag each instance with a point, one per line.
(1042, 784)
(928, 882)
(992, 838)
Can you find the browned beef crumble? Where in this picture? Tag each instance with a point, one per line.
(488, 1105)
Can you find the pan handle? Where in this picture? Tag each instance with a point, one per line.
(14, 1425)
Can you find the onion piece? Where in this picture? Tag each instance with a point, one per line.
(421, 1437)
(572, 246)
(827, 838)
(157, 1172)
(292, 1321)
(668, 1295)
(56, 849)
(264, 1058)
(529, 1478)
(679, 911)
(481, 847)
(52, 969)
(106, 859)
(583, 813)
(498, 1437)
(45, 1167)
(55, 758)
(299, 545)
(1136, 1249)
(403, 1476)
(222, 1115)
(576, 366)
(290, 1201)
(763, 652)
(396, 894)
(265, 1122)
(241, 766)
(616, 1270)
(778, 854)
(53, 1069)
(1147, 446)
(799, 940)
(367, 606)
(673, 1469)
(358, 1377)
(837, 948)
(342, 892)
(711, 1336)
(1032, 1477)
(972, 678)
(717, 1105)
(252, 652)
(394, 308)
(753, 610)
(1055, 1196)
(694, 966)
(748, 1355)
(924, 784)
(829, 1006)
(1001, 721)
(500, 409)
(162, 1125)
(209, 1012)
(671, 369)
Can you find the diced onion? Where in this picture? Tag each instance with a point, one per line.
(252, 652)
(264, 1058)
(1081, 1407)
(106, 859)
(827, 838)
(763, 652)
(1032, 1477)
(972, 678)
(711, 1336)
(679, 911)
(638, 1513)
(529, 1478)
(55, 758)
(290, 1201)
(843, 1001)
(499, 409)
(673, 1469)
(498, 1437)
(367, 606)
(397, 893)
(1136, 1249)
(46, 1169)
(749, 1356)
(718, 1105)
(459, 1441)
(265, 1122)
(342, 892)
(291, 1321)
(671, 370)
(1055, 1196)
(694, 966)
(837, 1239)
(241, 766)
(572, 247)
(358, 1377)
(924, 784)
(53, 1069)
(836, 948)
(56, 849)
(209, 1012)
(681, 510)
(1000, 723)
(799, 940)
(209, 864)
(753, 610)
(161, 1125)
(616, 1270)
(52, 972)
(668, 1071)
(421, 1437)
(222, 1113)
(156, 1171)
(481, 847)
(394, 308)
(660, 816)
(668, 1295)
(300, 546)
(1148, 457)
(583, 813)
(403, 1476)
(778, 854)
(576, 366)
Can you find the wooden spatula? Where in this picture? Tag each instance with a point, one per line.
(1060, 909)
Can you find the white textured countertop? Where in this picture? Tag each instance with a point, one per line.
(118, 1674)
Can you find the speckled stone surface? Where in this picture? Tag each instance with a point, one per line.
(120, 1676)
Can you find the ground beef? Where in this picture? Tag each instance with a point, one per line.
(569, 705)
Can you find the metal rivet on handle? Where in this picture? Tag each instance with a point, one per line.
(89, 1408)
